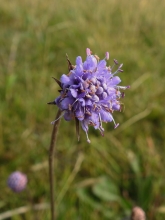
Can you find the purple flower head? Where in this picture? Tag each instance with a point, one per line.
(90, 92)
(17, 181)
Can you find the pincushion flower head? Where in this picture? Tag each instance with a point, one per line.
(17, 181)
(90, 93)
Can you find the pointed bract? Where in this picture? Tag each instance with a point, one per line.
(70, 66)
(51, 103)
(57, 81)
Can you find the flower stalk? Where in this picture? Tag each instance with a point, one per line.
(89, 93)
(51, 164)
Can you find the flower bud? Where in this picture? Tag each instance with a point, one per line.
(17, 181)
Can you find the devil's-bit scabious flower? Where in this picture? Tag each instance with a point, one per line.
(17, 181)
(90, 92)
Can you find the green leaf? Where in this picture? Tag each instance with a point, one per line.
(85, 197)
(106, 190)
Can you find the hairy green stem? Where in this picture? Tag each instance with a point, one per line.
(51, 164)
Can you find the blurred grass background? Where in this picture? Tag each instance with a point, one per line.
(105, 179)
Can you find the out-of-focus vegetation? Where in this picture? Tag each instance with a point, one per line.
(105, 179)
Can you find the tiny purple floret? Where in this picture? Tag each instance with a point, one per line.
(90, 92)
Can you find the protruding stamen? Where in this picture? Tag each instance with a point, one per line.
(74, 102)
(107, 55)
(116, 125)
(102, 129)
(115, 61)
(97, 58)
(122, 94)
(77, 129)
(88, 52)
(123, 87)
(118, 70)
(120, 66)
(87, 137)
(115, 72)
(101, 132)
(52, 123)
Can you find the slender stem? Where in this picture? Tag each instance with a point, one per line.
(51, 164)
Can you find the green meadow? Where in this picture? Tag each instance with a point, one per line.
(125, 168)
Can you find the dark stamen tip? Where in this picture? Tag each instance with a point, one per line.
(115, 61)
(116, 125)
(122, 94)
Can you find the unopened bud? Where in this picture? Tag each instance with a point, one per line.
(17, 181)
